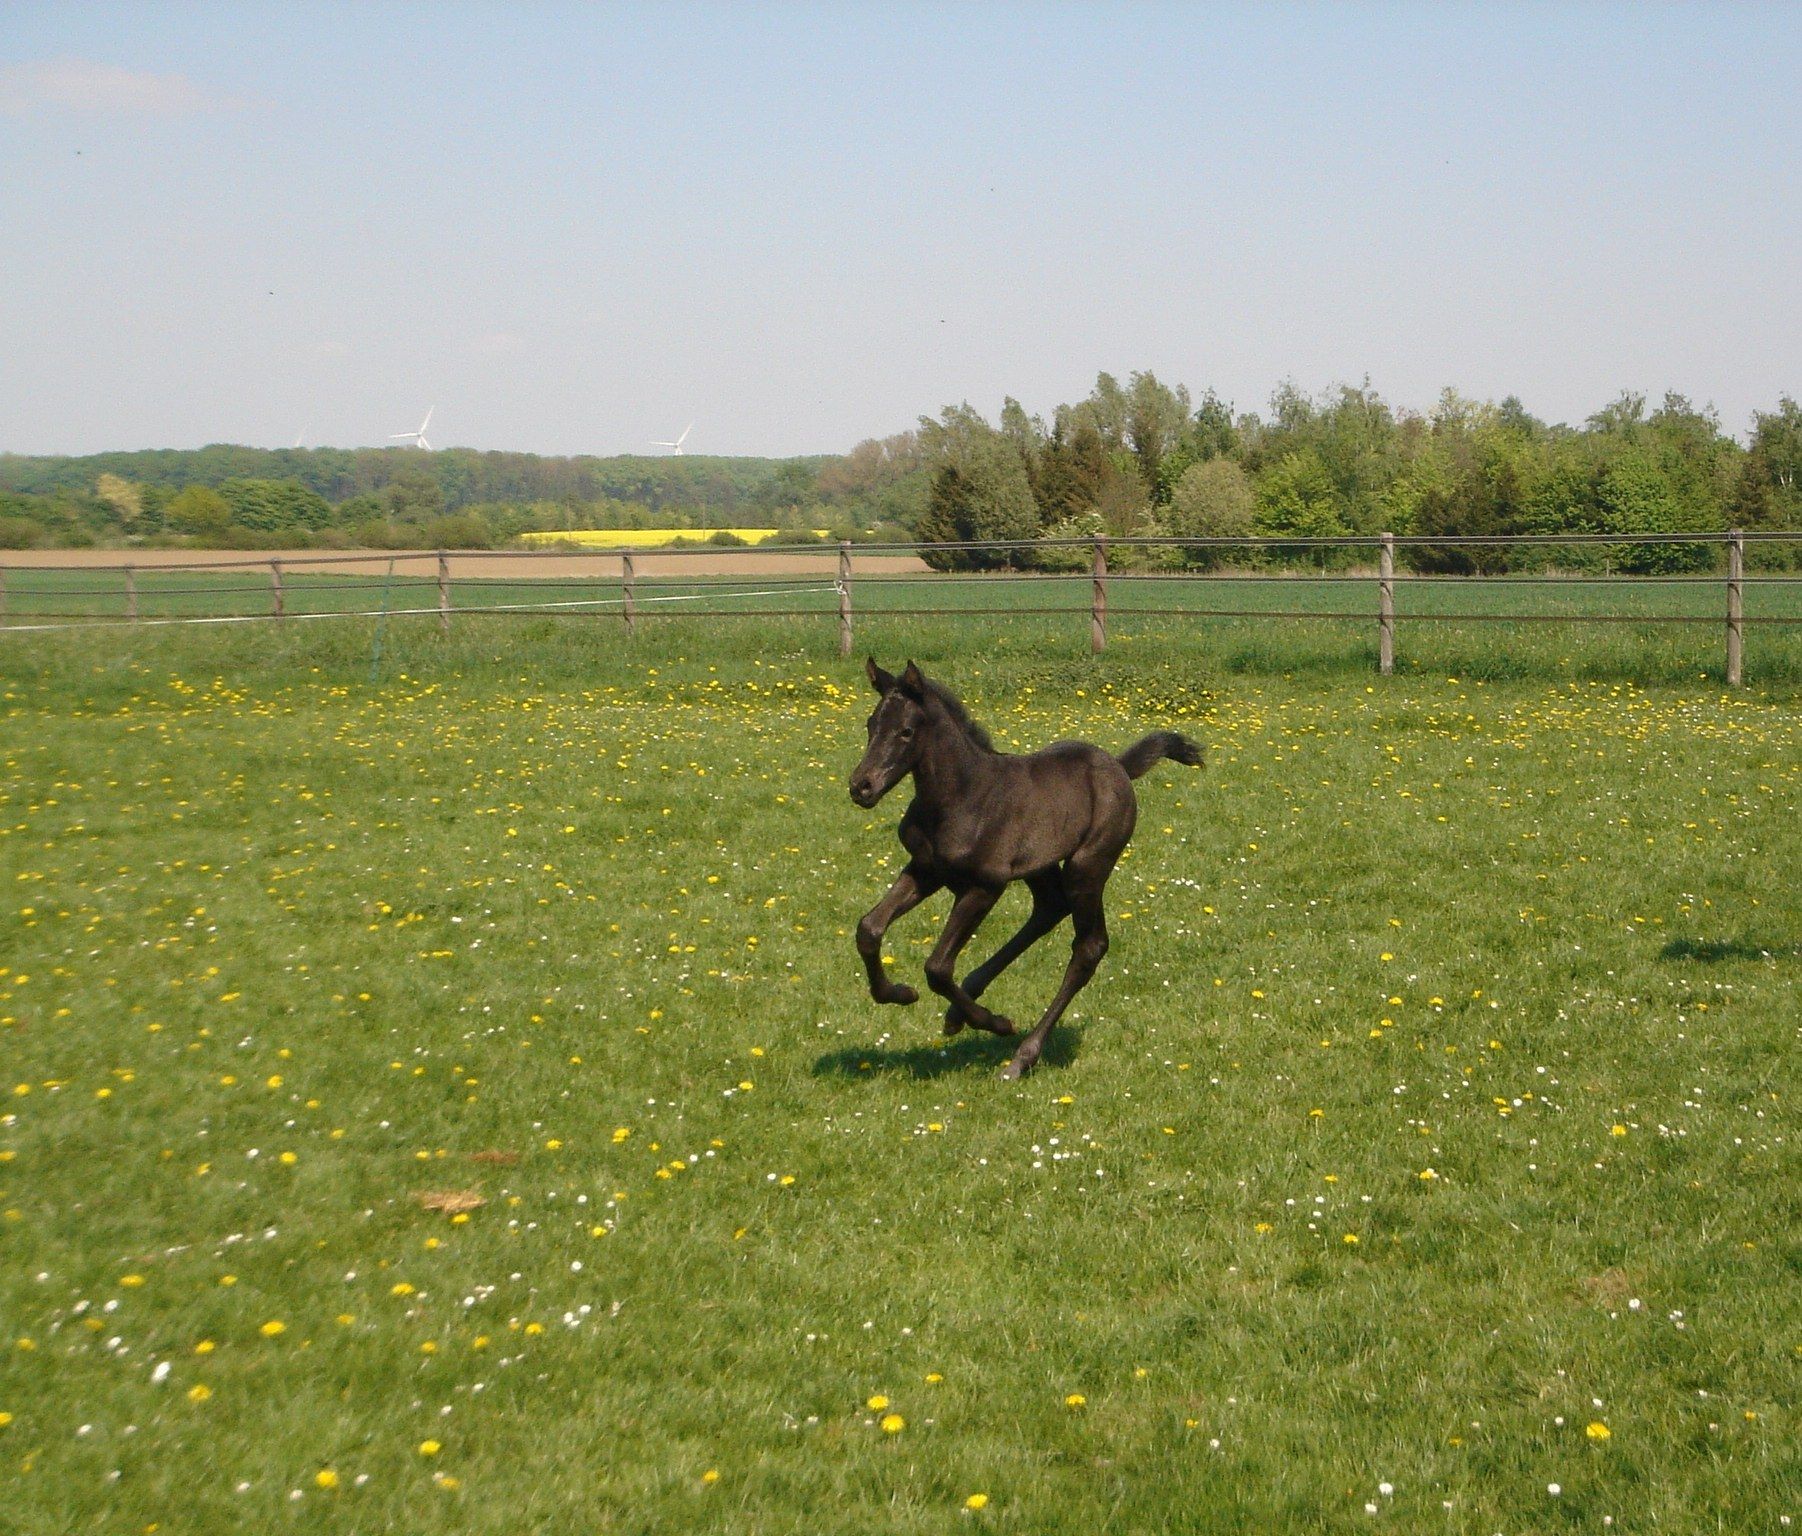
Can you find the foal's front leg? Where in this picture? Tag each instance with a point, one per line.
(911, 887)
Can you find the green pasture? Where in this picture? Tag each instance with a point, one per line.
(1423, 1157)
(1658, 629)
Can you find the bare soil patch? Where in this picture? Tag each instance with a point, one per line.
(535, 565)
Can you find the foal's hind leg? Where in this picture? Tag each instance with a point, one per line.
(972, 907)
(911, 887)
(1086, 950)
(1049, 908)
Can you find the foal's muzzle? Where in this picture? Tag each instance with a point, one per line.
(864, 791)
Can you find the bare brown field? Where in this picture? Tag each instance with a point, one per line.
(471, 564)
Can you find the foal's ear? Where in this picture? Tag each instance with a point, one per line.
(913, 682)
(882, 682)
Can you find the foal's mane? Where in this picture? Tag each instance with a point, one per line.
(960, 716)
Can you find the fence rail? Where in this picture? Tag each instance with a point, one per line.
(639, 584)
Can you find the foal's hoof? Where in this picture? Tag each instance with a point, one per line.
(1016, 1069)
(898, 993)
(954, 1020)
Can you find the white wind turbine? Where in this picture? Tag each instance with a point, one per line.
(658, 442)
(419, 436)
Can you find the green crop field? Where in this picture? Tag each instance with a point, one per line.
(440, 1093)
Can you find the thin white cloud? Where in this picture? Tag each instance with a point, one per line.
(86, 85)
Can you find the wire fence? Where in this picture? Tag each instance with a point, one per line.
(1351, 580)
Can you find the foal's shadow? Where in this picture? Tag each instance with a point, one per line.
(973, 1048)
(1712, 950)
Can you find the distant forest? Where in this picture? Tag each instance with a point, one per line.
(1132, 458)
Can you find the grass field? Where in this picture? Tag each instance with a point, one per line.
(1650, 630)
(1423, 1157)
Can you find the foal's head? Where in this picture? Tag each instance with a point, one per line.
(895, 726)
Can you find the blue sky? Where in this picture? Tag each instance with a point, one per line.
(575, 229)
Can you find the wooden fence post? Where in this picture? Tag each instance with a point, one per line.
(131, 593)
(443, 593)
(844, 597)
(1736, 613)
(628, 607)
(1386, 607)
(278, 599)
(1098, 599)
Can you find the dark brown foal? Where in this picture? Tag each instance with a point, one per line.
(981, 819)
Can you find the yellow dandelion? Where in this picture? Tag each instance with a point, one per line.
(272, 1328)
(199, 1392)
(429, 1447)
(1075, 1400)
(1599, 1431)
(326, 1478)
(205, 1347)
(877, 1403)
(893, 1423)
(710, 1476)
(131, 1280)
(977, 1501)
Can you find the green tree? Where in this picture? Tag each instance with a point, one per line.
(981, 494)
(1073, 472)
(275, 506)
(1297, 499)
(201, 513)
(1156, 417)
(1212, 434)
(1635, 495)
(415, 499)
(1213, 500)
(1767, 488)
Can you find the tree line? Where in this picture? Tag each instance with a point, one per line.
(1144, 459)
(225, 495)
(1133, 458)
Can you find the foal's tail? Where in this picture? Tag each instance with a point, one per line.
(1139, 759)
